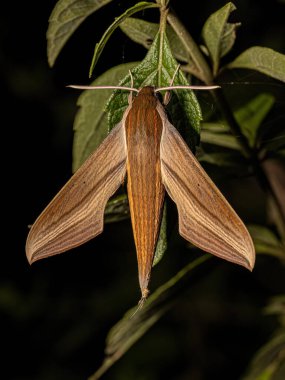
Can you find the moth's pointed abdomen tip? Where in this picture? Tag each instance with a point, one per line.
(145, 293)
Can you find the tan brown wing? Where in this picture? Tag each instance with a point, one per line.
(205, 217)
(76, 213)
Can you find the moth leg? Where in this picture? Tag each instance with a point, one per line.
(130, 97)
(167, 95)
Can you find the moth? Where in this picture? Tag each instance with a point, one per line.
(147, 149)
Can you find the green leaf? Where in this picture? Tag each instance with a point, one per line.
(157, 69)
(219, 35)
(274, 169)
(161, 246)
(275, 143)
(133, 326)
(90, 124)
(221, 139)
(65, 18)
(117, 209)
(251, 115)
(277, 307)
(101, 44)
(223, 159)
(144, 32)
(217, 134)
(268, 363)
(266, 242)
(262, 59)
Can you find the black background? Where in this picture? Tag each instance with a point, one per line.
(55, 315)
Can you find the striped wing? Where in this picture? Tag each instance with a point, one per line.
(76, 214)
(205, 217)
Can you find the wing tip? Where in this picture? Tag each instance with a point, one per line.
(248, 263)
(34, 252)
(30, 254)
(28, 249)
(249, 260)
(30, 259)
(245, 257)
(249, 257)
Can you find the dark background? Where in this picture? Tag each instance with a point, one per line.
(55, 315)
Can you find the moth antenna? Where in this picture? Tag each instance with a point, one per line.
(79, 87)
(130, 98)
(190, 87)
(132, 78)
(166, 98)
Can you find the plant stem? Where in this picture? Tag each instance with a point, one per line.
(162, 27)
(163, 18)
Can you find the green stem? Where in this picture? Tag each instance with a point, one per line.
(162, 28)
(163, 19)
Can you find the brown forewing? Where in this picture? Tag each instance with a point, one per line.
(76, 214)
(205, 217)
(145, 189)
